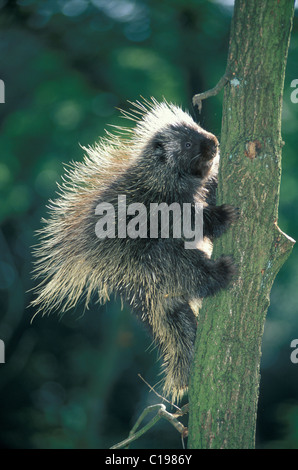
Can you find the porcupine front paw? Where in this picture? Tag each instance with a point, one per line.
(224, 216)
(225, 270)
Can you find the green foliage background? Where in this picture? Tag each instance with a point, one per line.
(72, 382)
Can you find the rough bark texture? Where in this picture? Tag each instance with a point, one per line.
(224, 384)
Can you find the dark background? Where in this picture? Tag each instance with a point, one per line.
(72, 382)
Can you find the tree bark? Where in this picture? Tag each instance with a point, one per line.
(224, 386)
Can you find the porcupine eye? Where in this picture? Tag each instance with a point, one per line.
(188, 145)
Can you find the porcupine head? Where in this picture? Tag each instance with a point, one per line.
(165, 158)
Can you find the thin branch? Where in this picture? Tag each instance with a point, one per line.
(182, 411)
(135, 435)
(161, 413)
(158, 395)
(197, 99)
(174, 421)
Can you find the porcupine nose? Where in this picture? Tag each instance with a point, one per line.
(209, 146)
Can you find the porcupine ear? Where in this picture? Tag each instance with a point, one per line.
(159, 149)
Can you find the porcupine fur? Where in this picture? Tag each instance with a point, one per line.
(160, 279)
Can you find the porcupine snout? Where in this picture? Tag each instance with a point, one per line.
(209, 146)
(207, 151)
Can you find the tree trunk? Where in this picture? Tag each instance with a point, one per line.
(224, 386)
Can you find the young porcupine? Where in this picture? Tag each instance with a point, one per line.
(167, 158)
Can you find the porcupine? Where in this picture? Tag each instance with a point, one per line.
(165, 158)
